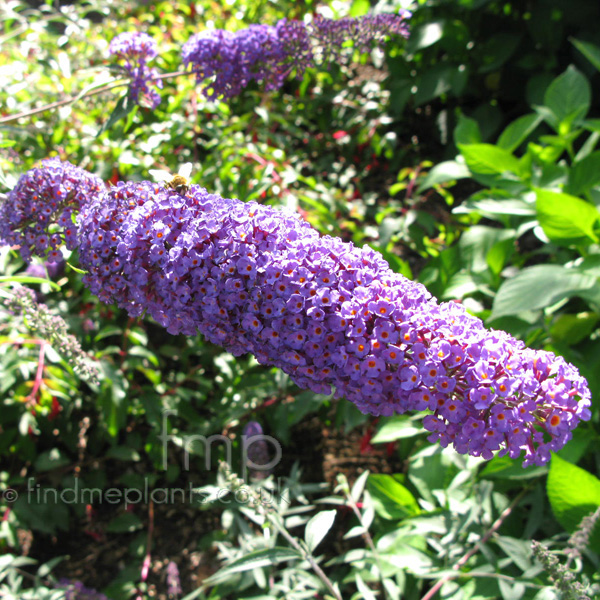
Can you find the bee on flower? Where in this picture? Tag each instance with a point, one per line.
(178, 183)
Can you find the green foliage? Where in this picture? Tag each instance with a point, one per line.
(470, 161)
(493, 59)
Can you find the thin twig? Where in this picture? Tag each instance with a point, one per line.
(59, 103)
(366, 534)
(148, 558)
(464, 559)
(307, 555)
(39, 373)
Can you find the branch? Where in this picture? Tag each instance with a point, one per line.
(463, 560)
(100, 90)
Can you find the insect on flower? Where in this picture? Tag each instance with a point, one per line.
(179, 183)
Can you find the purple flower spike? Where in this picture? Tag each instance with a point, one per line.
(330, 36)
(38, 214)
(254, 279)
(136, 48)
(226, 62)
(75, 590)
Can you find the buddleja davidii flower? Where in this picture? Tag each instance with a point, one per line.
(225, 62)
(135, 49)
(334, 40)
(173, 580)
(214, 59)
(41, 322)
(507, 398)
(253, 279)
(38, 214)
(75, 590)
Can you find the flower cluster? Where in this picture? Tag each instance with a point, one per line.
(173, 580)
(75, 590)
(38, 214)
(330, 37)
(136, 49)
(254, 279)
(226, 62)
(257, 450)
(41, 322)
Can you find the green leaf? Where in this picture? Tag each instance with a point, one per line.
(107, 331)
(44, 510)
(47, 567)
(28, 279)
(504, 467)
(467, 131)
(590, 265)
(365, 592)
(584, 174)
(359, 8)
(51, 459)
(537, 287)
(511, 590)
(425, 36)
(591, 125)
(122, 109)
(569, 96)
(587, 147)
(123, 453)
(571, 329)
(478, 241)
(566, 219)
(492, 207)
(499, 253)
(487, 159)
(590, 51)
(582, 442)
(253, 560)
(317, 528)
(516, 133)
(438, 80)
(112, 399)
(573, 494)
(143, 352)
(396, 428)
(359, 486)
(519, 551)
(125, 522)
(496, 50)
(444, 172)
(429, 470)
(391, 499)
